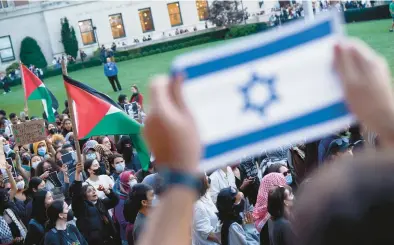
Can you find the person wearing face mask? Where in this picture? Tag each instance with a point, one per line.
(260, 212)
(122, 187)
(280, 168)
(52, 130)
(22, 162)
(93, 219)
(235, 230)
(117, 165)
(40, 148)
(35, 160)
(12, 231)
(95, 178)
(36, 228)
(20, 185)
(35, 184)
(280, 202)
(54, 176)
(125, 147)
(137, 208)
(60, 233)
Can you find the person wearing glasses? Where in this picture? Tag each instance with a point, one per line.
(338, 149)
(260, 212)
(282, 169)
(280, 203)
(237, 226)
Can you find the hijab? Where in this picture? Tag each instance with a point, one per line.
(260, 212)
(36, 144)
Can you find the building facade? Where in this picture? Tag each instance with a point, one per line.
(99, 23)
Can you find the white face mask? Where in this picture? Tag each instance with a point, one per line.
(35, 164)
(132, 182)
(20, 185)
(119, 167)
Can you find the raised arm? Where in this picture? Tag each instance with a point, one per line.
(170, 121)
(25, 174)
(78, 203)
(12, 182)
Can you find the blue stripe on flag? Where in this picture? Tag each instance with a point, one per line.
(323, 115)
(315, 32)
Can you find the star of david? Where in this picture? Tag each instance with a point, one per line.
(269, 83)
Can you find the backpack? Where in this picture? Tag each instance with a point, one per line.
(40, 227)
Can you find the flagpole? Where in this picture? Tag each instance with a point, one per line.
(73, 122)
(24, 88)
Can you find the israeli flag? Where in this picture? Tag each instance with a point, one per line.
(265, 91)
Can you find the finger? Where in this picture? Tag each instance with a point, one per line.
(344, 63)
(160, 96)
(176, 92)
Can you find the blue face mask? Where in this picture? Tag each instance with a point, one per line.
(42, 151)
(289, 179)
(91, 156)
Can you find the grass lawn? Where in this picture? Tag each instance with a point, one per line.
(139, 71)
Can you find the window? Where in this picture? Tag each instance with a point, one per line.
(3, 4)
(174, 12)
(87, 32)
(202, 9)
(117, 27)
(146, 20)
(6, 50)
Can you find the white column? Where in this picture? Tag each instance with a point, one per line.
(308, 10)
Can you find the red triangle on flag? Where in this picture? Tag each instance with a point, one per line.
(31, 81)
(89, 108)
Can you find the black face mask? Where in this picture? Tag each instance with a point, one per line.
(239, 207)
(70, 215)
(97, 172)
(59, 123)
(53, 131)
(26, 159)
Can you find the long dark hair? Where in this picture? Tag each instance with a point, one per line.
(227, 214)
(133, 204)
(53, 212)
(40, 167)
(33, 183)
(38, 204)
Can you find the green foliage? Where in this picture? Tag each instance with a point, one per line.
(224, 13)
(365, 14)
(69, 40)
(31, 54)
(12, 67)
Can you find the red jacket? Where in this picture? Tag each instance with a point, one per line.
(138, 98)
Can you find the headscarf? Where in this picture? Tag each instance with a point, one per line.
(104, 153)
(36, 144)
(90, 144)
(68, 135)
(124, 179)
(260, 212)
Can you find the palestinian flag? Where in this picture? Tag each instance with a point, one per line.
(36, 90)
(97, 114)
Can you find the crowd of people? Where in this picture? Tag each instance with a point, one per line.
(48, 197)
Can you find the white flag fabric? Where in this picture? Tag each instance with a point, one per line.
(265, 91)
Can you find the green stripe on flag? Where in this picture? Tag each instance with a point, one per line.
(41, 93)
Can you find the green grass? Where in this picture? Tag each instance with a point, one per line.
(139, 71)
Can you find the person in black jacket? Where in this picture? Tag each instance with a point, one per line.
(36, 229)
(59, 232)
(93, 219)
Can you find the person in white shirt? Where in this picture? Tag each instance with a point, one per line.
(206, 229)
(92, 169)
(220, 179)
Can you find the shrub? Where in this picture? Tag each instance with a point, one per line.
(31, 54)
(69, 40)
(374, 13)
(12, 67)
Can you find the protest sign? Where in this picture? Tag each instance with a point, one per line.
(29, 132)
(265, 91)
(2, 155)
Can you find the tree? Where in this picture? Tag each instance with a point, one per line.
(69, 40)
(224, 13)
(31, 53)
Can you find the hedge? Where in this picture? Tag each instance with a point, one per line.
(365, 14)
